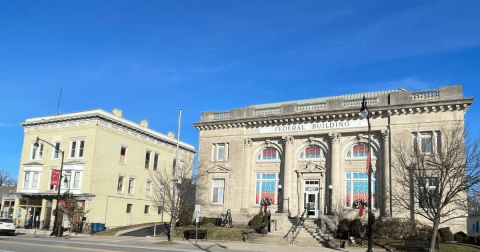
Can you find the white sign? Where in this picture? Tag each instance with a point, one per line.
(315, 126)
(197, 210)
(197, 219)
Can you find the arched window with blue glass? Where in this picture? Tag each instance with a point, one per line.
(312, 152)
(268, 154)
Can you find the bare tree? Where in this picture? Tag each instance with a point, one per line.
(183, 198)
(73, 209)
(6, 179)
(432, 176)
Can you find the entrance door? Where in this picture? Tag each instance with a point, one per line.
(312, 202)
(311, 194)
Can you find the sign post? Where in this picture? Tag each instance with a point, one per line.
(197, 217)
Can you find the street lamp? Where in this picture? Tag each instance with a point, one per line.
(364, 114)
(330, 191)
(35, 146)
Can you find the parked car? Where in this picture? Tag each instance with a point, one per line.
(7, 226)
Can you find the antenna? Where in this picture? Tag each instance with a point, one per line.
(59, 98)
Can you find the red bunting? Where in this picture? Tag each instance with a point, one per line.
(360, 207)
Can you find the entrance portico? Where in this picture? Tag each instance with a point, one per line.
(310, 184)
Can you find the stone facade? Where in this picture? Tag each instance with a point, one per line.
(107, 147)
(293, 151)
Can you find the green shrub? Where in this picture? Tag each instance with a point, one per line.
(256, 221)
(439, 237)
(354, 227)
(458, 237)
(206, 220)
(344, 224)
(447, 236)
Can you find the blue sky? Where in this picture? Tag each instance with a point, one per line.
(150, 58)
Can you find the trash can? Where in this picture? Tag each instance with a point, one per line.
(101, 227)
(95, 227)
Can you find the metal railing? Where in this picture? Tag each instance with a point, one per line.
(297, 227)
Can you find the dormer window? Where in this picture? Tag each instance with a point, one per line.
(268, 154)
(312, 152)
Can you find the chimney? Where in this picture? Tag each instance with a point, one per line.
(171, 134)
(144, 123)
(117, 112)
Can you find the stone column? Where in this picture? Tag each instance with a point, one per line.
(247, 174)
(335, 139)
(287, 173)
(386, 174)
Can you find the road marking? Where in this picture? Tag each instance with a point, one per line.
(6, 251)
(106, 244)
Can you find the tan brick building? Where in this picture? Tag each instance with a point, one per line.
(107, 165)
(294, 151)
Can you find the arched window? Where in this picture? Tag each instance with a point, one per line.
(268, 154)
(312, 152)
(360, 150)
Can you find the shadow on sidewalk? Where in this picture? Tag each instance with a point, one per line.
(209, 247)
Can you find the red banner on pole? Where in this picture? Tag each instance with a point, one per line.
(55, 177)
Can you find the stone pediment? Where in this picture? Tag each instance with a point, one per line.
(218, 169)
(312, 168)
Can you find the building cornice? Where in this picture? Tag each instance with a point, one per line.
(384, 105)
(105, 118)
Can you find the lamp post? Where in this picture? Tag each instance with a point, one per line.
(364, 114)
(35, 145)
(330, 191)
(280, 197)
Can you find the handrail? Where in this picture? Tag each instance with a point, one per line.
(295, 230)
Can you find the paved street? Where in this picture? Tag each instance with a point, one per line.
(43, 243)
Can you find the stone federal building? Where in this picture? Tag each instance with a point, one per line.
(107, 167)
(315, 151)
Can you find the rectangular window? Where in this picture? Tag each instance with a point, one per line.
(123, 155)
(146, 209)
(357, 189)
(76, 180)
(159, 210)
(120, 184)
(428, 193)
(26, 180)
(35, 180)
(266, 185)
(131, 185)
(82, 146)
(155, 162)
(66, 180)
(56, 152)
(37, 152)
(40, 151)
(149, 187)
(147, 160)
(220, 152)
(73, 147)
(426, 143)
(129, 208)
(218, 190)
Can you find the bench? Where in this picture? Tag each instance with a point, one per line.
(190, 234)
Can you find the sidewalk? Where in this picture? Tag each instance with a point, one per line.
(181, 245)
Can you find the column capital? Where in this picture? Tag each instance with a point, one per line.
(288, 140)
(247, 142)
(385, 134)
(335, 137)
